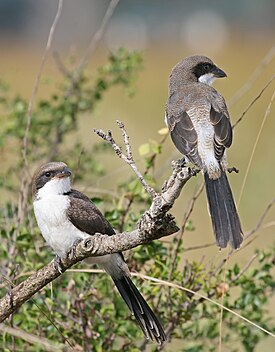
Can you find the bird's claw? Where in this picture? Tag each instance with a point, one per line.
(233, 169)
(58, 264)
(72, 251)
(182, 162)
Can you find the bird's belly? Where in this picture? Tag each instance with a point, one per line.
(206, 151)
(54, 224)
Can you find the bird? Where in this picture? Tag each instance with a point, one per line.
(65, 216)
(199, 124)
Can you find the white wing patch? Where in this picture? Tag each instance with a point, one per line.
(205, 131)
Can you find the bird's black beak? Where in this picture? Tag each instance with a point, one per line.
(64, 173)
(217, 72)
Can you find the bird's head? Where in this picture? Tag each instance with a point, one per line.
(51, 179)
(196, 69)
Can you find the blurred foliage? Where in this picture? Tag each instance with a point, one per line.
(84, 308)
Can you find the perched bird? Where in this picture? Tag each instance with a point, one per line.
(199, 124)
(66, 216)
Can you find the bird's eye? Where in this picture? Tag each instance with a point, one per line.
(206, 67)
(48, 174)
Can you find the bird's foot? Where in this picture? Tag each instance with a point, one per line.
(193, 171)
(233, 169)
(182, 162)
(72, 251)
(58, 264)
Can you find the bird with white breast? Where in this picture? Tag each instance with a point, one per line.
(65, 216)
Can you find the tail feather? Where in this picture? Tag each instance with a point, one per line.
(225, 219)
(146, 319)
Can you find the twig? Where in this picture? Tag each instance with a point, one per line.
(44, 343)
(266, 60)
(25, 181)
(248, 235)
(260, 221)
(182, 288)
(60, 65)
(267, 112)
(128, 157)
(96, 37)
(193, 248)
(183, 224)
(253, 102)
(222, 305)
(37, 81)
(245, 268)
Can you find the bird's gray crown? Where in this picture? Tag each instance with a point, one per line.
(47, 172)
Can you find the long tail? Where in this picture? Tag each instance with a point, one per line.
(145, 317)
(225, 219)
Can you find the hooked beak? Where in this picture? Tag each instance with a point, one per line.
(64, 173)
(217, 72)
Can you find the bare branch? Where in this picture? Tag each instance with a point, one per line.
(193, 248)
(45, 344)
(128, 157)
(37, 81)
(245, 268)
(260, 221)
(253, 102)
(267, 112)
(96, 38)
(248, 84)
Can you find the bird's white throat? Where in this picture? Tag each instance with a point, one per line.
(207, 78)
(54, 187)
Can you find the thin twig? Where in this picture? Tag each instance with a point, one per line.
(193, 248)
(182, 288)
(37, 81)
(222, 305)
(26, 178)
(267, 112)
(128, 158)
(186, 216)
(96, 38)
(248, 235)
(245, 268)
(253, 77)
(44, 343)
(260, 221)
(253, 102)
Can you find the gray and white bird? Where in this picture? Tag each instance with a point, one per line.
(66, 216)
(199, 124)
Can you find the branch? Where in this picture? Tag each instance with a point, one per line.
(95, 39)
(37, 81)
(128, 157)
(154, 224)
(253, 77)
(253, 102)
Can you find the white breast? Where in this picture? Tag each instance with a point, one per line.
(51, 216)
(58, 231)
